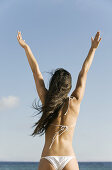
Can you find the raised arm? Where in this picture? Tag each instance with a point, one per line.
(78, 93)
(40, 86)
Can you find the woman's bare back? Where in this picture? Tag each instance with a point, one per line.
(61, 143)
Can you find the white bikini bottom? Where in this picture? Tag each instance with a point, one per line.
(58, 162)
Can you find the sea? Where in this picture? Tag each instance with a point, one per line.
(34, 165)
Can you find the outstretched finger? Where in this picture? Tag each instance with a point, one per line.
(92, 39)
(100, 40)
(20, 35)
(97, 35)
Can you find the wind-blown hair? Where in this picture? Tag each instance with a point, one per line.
(59, 86)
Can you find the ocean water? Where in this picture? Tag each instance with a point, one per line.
(34, 165)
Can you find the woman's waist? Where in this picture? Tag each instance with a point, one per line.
(61, 148)
(56, 152)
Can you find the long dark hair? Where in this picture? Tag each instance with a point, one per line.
(59, 86)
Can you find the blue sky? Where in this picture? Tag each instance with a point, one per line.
(59, 35)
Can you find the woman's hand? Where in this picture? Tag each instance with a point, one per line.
(20, 40)
(95, 42)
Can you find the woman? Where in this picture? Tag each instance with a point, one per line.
(60, 112)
